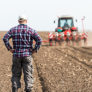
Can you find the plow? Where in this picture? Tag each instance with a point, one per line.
(66, 34)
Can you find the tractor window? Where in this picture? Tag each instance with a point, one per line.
(70, 22)
(63, 22)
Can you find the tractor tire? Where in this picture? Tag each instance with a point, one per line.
(67, 42)
(85, 41)
(50, 42)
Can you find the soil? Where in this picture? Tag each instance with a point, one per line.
(56, 68)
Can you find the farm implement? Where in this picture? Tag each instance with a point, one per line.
(67, 33)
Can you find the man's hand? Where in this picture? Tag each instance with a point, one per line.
(11, 50)
(34, 51)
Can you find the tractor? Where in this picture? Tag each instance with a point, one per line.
(66, 32)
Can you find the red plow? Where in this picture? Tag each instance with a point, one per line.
(66, 34)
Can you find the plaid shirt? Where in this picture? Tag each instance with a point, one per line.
(22, 38)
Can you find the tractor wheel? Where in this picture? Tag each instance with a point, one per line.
(67, 42)
(62, 41)
(59, 42)
(73, 41)
(50, 42)
(79, 42)
(85, 41)
(56, 41)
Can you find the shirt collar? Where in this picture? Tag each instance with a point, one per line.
(23, 24)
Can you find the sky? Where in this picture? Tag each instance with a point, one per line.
(42, 13)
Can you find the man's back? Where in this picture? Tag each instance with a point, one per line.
(22, 37)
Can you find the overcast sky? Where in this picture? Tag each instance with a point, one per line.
(42, 13)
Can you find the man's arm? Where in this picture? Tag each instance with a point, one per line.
(6, 38)
(38, 40)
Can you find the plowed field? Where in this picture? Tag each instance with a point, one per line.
(56, 68)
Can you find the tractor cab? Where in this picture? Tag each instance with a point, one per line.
(65, 23)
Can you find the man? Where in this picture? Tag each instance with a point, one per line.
(22, 38)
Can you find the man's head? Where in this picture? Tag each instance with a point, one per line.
(22, 19)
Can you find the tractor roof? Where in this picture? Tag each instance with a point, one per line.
(66, 16)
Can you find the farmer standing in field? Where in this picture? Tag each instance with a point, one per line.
(22, 38)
